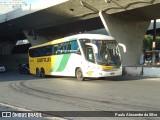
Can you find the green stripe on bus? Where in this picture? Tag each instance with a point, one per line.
(57, 63)
(63, 63)
(73, 39)
(60, 63)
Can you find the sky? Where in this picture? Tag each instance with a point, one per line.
(26, 1)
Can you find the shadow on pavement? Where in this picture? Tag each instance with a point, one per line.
(15, 76)
(122, 78)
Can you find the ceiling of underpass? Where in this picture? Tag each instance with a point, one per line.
(73, 17)
(73, 28)
(144, 13)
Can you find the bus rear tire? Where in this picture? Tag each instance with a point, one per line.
(37, 72)
(42, 73)
(79, 74)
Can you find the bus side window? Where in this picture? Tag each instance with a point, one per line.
(38, 52)
(74, 46)
(69, 47)
(61, 49)
(35, 53)
(42, 51)
(65, 48)
(58, 48)
(48, 50)
(55, 50)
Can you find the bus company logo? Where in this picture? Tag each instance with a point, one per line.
(44, 59)
(6, 114)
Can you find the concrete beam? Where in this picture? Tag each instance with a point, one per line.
(34, 38)
(129, 33)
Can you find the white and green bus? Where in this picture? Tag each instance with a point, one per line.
(82, 56)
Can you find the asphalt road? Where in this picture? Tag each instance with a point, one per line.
(68, 94)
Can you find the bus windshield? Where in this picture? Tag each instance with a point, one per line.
(107, 54)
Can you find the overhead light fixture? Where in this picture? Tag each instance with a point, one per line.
(84, 4)
(81, 2)
(108, 1)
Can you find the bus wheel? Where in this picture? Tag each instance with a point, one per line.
(79, 74)
(43, 73)
(37, 72)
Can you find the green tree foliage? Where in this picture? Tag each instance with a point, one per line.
(158, 42)
(147, 42)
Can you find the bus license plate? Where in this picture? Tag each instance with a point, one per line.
(111, 73)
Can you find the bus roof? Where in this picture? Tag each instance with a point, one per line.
(75, 37)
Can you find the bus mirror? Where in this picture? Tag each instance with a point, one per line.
(123, 46)
(93, 46)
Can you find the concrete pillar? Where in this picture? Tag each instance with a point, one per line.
(6, 47)
(129, 33)
(34, 38)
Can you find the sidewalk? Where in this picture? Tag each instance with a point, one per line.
(147, 71)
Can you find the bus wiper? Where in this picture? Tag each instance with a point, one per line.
(99, 63)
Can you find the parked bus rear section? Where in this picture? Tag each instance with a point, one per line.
(82, 56)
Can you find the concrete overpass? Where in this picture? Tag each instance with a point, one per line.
(46, 20)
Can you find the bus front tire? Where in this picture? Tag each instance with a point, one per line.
(79, 74)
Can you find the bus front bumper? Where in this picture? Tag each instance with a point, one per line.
(100, 73)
